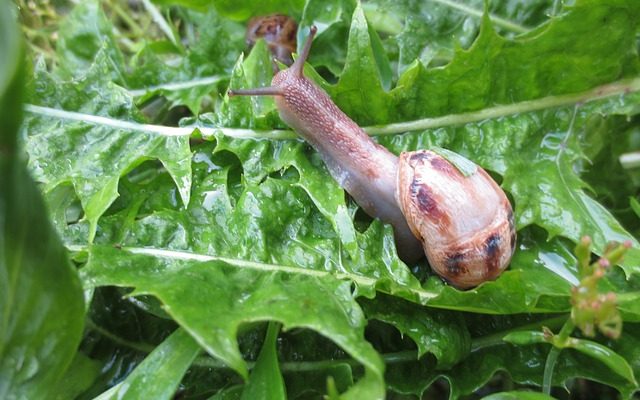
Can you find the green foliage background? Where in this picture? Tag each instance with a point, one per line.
(218, 257)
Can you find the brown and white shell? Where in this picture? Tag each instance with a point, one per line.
(278, 30)
(465, 223)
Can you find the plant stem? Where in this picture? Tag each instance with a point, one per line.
(496, 338)
(207, 80)
(390, 358)
(299, 366)
(160, 21)
(566, 330)
(499, 21)
(303, 366)
(558, 343)
(133, 25)
(608, 90)
(557, 5)
(382, 20)
(630, 160)
(141, 347)
(423, 295)
(549, 366)
(597, 93)
(155, 129)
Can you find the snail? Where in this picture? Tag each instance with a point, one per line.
(464, 224)
(279, 31)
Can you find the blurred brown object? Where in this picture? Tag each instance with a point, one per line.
(278, 30)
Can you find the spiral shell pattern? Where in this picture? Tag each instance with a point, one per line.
(465, 223)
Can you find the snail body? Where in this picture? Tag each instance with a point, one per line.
(463, 224)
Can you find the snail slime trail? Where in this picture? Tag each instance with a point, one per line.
(463, 224)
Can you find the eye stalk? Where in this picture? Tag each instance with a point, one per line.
(296, 69)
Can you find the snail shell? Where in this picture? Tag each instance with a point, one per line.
(465, 223)
(279, 31)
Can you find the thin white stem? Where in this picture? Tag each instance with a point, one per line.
(189, 256)
(608, 90)
(208, 80)
(159, 20)
(630, 160)
(108, 122)
(110, 393)
(155, 129)
(499, 21)
(557, 4)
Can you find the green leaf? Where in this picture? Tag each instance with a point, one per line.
(165, 366)
(524, 364)
(572, 53)
(186, 284)
(635, 205)
(545, 98)
(629, 305)
(231, 393)
(241, 10)
(363, 77)
(605, 355)
(442, 334)
(431, 32)
(120, 335)
(84, 33)
(265, 381)
(524, 338)
(41, 303)
(240, 225)
(316, 381)
(261, 158)
(191, 76)
(333, 19)
(465, 166)
(236, 220)
(555, 199)
(518, 395)
(201, 5)
(93, 124)
(78, 378)
(255, 71)
(11, 78)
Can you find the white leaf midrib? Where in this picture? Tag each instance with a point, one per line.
(621, 87)
(169, 131)
(180, 255)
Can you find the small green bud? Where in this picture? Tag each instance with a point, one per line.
(591, 309)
